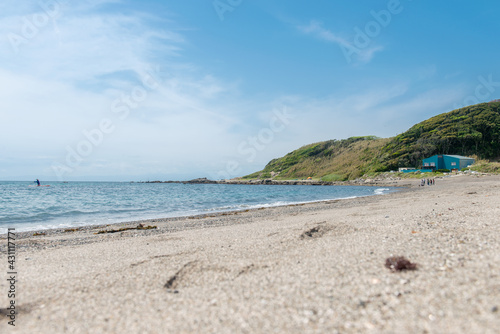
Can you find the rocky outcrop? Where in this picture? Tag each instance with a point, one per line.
(201, 180)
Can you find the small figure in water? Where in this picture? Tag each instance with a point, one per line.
(37, 182)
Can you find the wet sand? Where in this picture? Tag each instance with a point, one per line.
(312, 268)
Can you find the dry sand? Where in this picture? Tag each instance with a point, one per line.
(315, 268)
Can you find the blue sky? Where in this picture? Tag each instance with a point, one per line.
(129, 90)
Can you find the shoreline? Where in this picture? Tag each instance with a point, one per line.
(216, 215)
(392, 184)
(312, 268)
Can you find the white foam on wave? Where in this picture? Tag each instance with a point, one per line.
(23, 227)
(276, 204)
(380, 191)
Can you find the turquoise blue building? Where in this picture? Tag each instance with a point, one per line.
(451, 162)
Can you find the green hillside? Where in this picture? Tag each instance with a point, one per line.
(473, 130)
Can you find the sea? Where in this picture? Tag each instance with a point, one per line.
(26, 207)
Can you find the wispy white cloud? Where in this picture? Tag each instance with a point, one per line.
(316, 29)
(74, 46)
(363, 54)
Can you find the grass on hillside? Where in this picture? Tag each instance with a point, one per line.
(349, 158)
(485, 166)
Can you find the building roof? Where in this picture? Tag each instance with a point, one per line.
(453, 156)
(458, 156)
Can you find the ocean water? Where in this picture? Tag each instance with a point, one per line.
(73, 204)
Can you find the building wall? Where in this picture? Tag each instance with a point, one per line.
(441, 162)
(466, 162)
(431, 162)
(451, 162)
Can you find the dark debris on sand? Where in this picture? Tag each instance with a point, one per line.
(399, 263)
(139, 227)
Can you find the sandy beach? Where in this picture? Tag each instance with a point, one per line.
(312, 268)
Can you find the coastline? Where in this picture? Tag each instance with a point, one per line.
(393, 181)
(212, 219)
(315, 267)
(163, 215)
